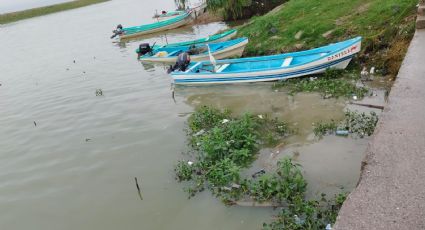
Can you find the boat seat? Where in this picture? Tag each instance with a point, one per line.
(216, 48)
(173, 53)
(193, 67)
(222, 67)
(287, 62)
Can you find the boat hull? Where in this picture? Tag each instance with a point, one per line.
(229, 52)
(316, 67)
(159, 29)
(195, 42)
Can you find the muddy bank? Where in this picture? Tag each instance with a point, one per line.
(207, 17)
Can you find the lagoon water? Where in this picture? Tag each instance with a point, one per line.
(68, 158)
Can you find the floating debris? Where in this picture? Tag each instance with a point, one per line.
(202, 131)
(364, 74)
(99, 92)
(256, 174)
(342, 132)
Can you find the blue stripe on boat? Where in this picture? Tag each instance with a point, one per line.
(264, 76)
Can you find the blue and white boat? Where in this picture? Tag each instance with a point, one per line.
(199, 52)
(270, 68)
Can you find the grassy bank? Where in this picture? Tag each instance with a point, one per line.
(386, 27)
(20, 15)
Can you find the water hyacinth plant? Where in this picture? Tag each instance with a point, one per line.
(332, 84)
(359, 124)
(224, 145)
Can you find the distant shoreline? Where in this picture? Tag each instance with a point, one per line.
(39, 11)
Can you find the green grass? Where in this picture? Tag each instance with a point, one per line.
(383, 24)
(20, 15)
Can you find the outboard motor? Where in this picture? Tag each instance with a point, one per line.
(183, 61)
(144, 48)
(118, 31)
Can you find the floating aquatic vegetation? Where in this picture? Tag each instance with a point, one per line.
(324, 128)
(332, 84)
(223, 145)
(99, 92)
(302, 214)
(354, 122)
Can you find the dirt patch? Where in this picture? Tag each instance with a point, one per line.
(396, 55)
(361, 9)
(208, 17)
(276, 9)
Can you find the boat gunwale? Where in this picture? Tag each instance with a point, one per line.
(243, 42)
(260, 78)
(225, 34)
(139, 29)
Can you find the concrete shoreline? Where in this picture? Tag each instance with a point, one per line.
(391, 190)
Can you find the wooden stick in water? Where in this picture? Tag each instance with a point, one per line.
(138, 189)
(368, 105)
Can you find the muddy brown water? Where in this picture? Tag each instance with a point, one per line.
(68, 158)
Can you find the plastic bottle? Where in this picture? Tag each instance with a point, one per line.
(342, 132)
